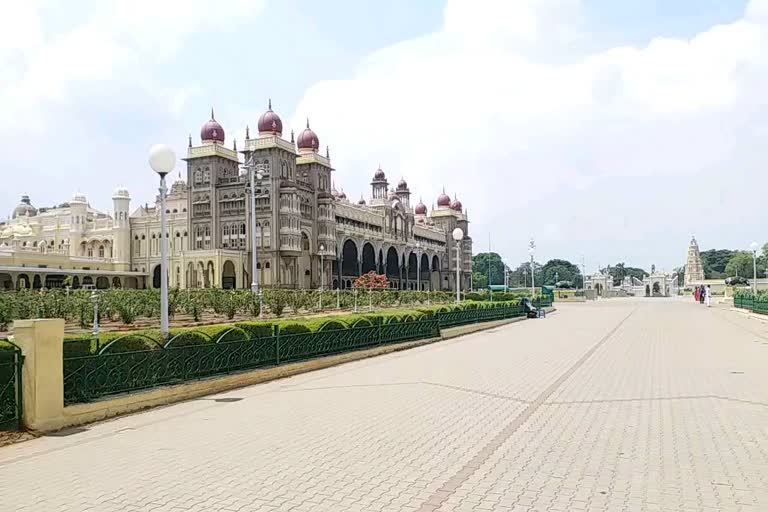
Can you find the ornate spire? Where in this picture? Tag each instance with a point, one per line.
(327, 153)
(270, 103)
(292, 140)
(234, 144)
(247, 132)
(212, 116)
(190, 141)
(307, 123)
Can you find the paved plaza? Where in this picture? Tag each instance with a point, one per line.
(623, 404)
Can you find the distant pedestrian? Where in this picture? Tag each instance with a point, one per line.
(708, 295)
(696, 294)
(702, 294)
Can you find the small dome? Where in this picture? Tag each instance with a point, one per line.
(443, 200)
(342, 195)
(270, 123)
(456, 205)
(308, 139)
(420, 209)
(392, 194)
(79, 198)
(402, 185)
(379, 175)
(121, 192)
(361, 202)
(24, 208)
(212, 131)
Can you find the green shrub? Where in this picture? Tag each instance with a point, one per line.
(188, 338)
(78, 347)
(331, 325)
(255, 330)
(133, 342)
(294, 328)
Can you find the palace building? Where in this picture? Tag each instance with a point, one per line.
(306, 230)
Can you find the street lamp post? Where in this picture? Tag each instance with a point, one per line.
(458, 236)
(162, 159)
(255, 172)
(532, 250)
(754, 246)
(418, 265)
(321, 248)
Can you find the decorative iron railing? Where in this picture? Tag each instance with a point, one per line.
(143, 362)
(10, 385)
(89, 377)
(471, 316)
(757, 304)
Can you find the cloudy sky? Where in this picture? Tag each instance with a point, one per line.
(605, 130)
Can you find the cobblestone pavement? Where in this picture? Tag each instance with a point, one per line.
(623, 404)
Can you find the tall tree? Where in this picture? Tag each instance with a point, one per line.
(620, 271)
(480, 265)
(740, 264)
(714, 262)
(560, 270)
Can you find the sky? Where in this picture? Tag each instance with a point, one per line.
(607, 131)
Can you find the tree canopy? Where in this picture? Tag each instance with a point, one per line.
(715, 261)
(619, 271)
(480, 269)
(557, 270)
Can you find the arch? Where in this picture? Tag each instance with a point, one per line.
(381, 261)
(647, 291)
(37, 283)
(22, 281)
(435, 263)
(656, 288)
(75, 282)
(102, 283)
(116, 282)
(393, 264)
(228, 277)
(88, 281)
(191, 279)
(156, 277)
(599, 289)
(210, 275)
(424, 266)
(349, 258)
(369, 258)
(413, 262)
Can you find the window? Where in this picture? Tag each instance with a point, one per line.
(101, 251)
(266, 235)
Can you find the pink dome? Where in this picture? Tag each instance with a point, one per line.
(402, 185)
(308, 139)
(420, 209)
(443, 200)
(212, 131)
(269, 122)
(456, 205)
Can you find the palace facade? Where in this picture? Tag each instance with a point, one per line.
(306, 230)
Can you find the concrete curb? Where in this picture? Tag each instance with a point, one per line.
(119, 405)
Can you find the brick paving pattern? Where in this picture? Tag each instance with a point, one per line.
(624, 404)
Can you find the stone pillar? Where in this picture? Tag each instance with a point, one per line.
(42, 343)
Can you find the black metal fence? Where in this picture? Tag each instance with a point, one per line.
(11, 360)
(88, 377)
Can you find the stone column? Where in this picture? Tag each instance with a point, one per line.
(42, 343)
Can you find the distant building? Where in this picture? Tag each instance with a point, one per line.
(301, 220)
(694, 269)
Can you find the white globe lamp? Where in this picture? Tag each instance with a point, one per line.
(162, 159)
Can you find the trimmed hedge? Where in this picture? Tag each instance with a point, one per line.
(79, 345)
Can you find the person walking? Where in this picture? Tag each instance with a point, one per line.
(708, 295)
(702, 294)
(696, 293)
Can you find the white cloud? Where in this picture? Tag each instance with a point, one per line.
(499, 107)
